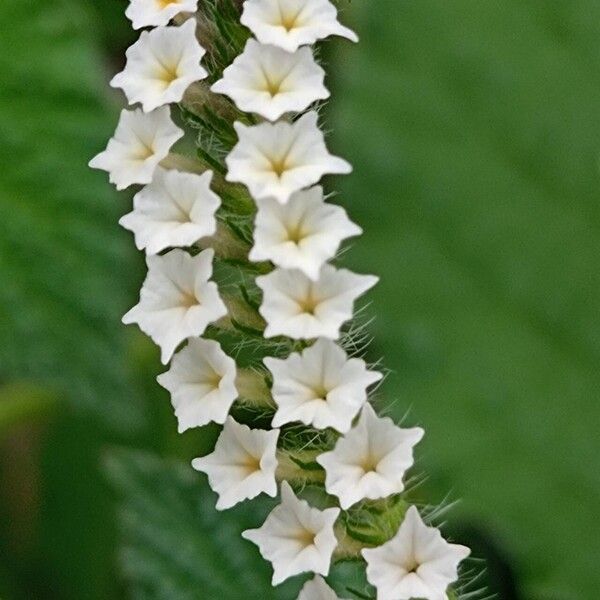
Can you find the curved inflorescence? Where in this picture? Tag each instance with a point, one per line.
(242, 297)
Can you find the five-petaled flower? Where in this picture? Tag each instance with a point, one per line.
(371, 460)
(141, 142)
(177, 300)
(290, 24)
(416, 563)
(271, 82)
(302, 234)
(201, 381)
(242, 465)
(276, 160)
(296, 537)
(176, 209)
(161, 66)
(321, 387)
(295, 306)
(156, 13)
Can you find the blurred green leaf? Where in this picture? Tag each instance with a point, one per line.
(23, 402)
(475, 133)
(176, 545)
(64, 265)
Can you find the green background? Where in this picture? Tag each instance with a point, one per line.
(475, 133)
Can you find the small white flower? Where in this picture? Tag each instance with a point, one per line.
(269, 81)
(293, 23)
(317, 589)
(161, 65)
(156, 13)
(140, 142)
(296, 537)
(321, 387)
(302, 234)
(302, 309)
(201, 381)
(371, 460)
(276, 160)
(177, 300)
(242, 465)
(416, 563)
(176, 209)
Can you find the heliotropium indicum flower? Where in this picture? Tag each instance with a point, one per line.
(141, 142)
(270, 82)
(370, 461)
(201, 381)
(295, 306)
(317, 589)
(321, 387)
(276, 160)
(416, 563)
(290, 24)
(242, 465)
(177, 300)
(156, 13)
(176, 209)
(302, 234)
(296, 537)
(161, 65)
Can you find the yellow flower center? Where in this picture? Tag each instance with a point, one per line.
(295, 234)
(306, 537)
(370, 464)
(289, 20)
(251, 464)
(188, 299)
(309, 304)
(411, 566)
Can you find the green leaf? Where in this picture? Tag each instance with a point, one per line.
(20, 403)
(176, 545)
(65, 266)
(475, 133)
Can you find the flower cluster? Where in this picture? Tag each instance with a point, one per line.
(295, 413)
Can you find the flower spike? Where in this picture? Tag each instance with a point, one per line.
(245, 297)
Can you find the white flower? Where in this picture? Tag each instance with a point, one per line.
(161, 65)
(317, 589)
(321, 387)
(296, 537)
(370, 461)
(299, 308)
(416, 563)
(201, 381)
(293, 23)
(269, 81)
(156, 13)
(177, 300)
(302, 234)
(176, 209)
(276, 160)
(140, 142)
(242, 465)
